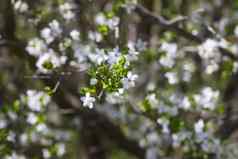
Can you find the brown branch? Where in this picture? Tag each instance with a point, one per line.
(172, 25)
(168, 25)
(101, 124)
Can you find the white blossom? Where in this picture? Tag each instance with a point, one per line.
(66, 10)
(48, 61)
(95, 36)
(46, 153)
(75, 35)
(93, 81)
(60, 149)
(207, 98)
(36, 47)
(170, 49)
(129, 81)
(37, 99)
(98, 57)
(164, 122)
(153, 100)
(32, 118)
(172, 77)
(113, 56)
(53, 31)
(88, 101)
(185, 103)
(199, 126)
(21, 6)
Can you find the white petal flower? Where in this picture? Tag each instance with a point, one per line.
(113, 56)
(21, 6)
(47, 62)
(129, 81)
(207, 98)
(37, 99)
(88, 101)
(36, 47)
(199, 126)
(32, 118)
(46, 153)
(51, 32)
(170, 49)
(60, 149)
(46, 33)
(153, 100)
(66, 10)
(100, 19)
(172, 77)
(75, 35)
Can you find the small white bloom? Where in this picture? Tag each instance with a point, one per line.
(185, 104)
(100, 19)
(95, 36)
(170, 49)
(23, 139)
(88, 101)
(208, 49)
(51, 32)
(199, 126)
(46, 153)
(153, 100)
(164, 122)
(207, 98)
(37, 99)
(132, 53)
(3, 123)
(99, 57)
(21, 6)
(46, 33)
(129, 81)
(236, 31)
(75, 35)
(41, 128)
(60, 149)
(66, 11)
(172, 77)
(11, 136)
(32, 118)
(36, 47)
(48, 61)
(93, 81)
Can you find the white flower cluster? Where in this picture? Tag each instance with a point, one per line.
(209, 52)
(36, 47)
(20, 6)
(207, 98)
(95, 36)
(112, 23)
(36, 100)
(170, 49)
(132, 52)
(164, 122)
(115, 97)
(49, 34)
(172, 77)
(49, 61)
(180, 137)
(88, 100)
(66, 10)
(204, 138)
(47, 58)
(129, 81)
